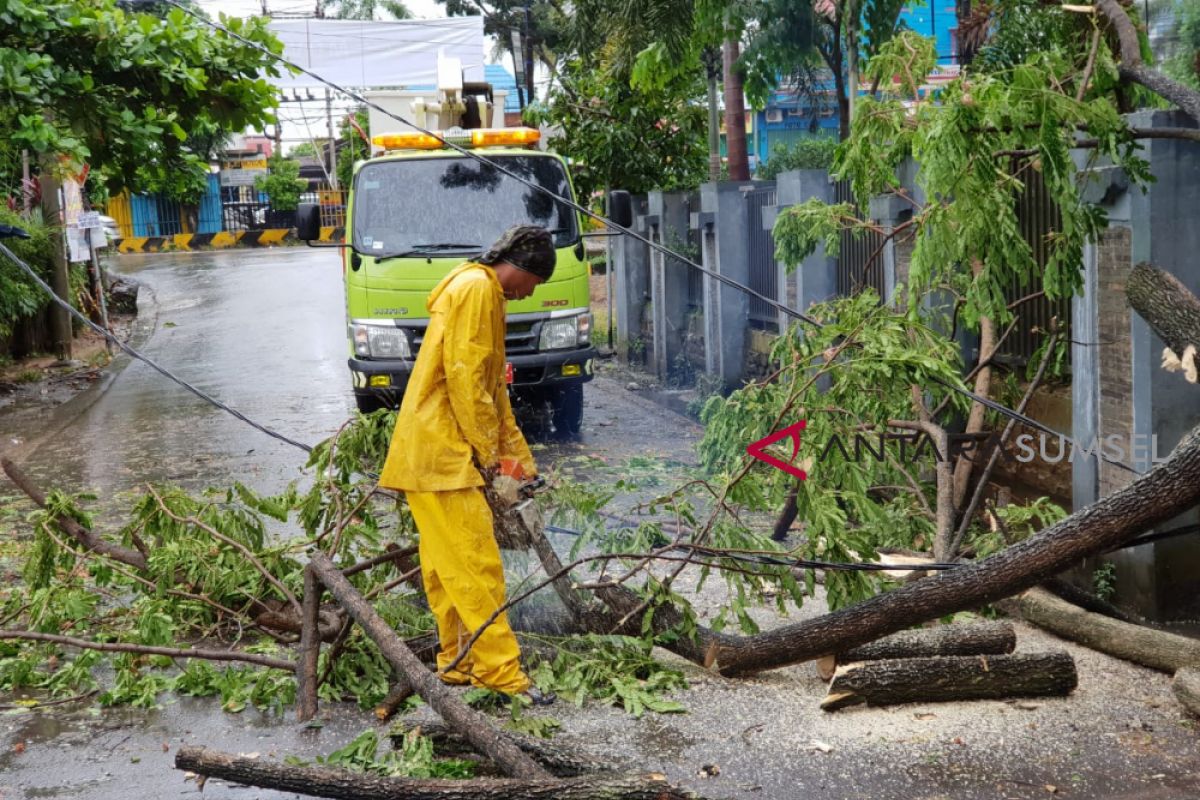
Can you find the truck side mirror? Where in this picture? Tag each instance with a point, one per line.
(620, 207)
(308, 222)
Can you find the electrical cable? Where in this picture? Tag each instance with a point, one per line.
(666, 251)
(144, 358)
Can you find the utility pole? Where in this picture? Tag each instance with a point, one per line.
(711, 64)
(26, 192)
(527, 53)
(333, 178)
(60, 277)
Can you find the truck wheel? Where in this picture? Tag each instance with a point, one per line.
(368, 403)
(567, 404)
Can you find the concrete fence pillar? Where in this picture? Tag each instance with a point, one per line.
(631, 265)
(722, 221)
(815, 279)
(667, 223)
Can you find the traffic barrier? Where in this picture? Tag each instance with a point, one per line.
(269, 237)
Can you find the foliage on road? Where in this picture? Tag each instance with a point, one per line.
(220, 565)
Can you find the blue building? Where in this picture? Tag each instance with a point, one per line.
(790, 115)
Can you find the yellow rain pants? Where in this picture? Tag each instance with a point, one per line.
(455, 415)
(464, 581)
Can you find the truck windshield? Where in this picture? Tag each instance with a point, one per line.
(400, 206)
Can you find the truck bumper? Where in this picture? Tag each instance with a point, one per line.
(387, 380)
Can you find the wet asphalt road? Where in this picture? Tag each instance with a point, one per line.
(263, 331)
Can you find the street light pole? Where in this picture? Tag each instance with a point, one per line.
(518, 54)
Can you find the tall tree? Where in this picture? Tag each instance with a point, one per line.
(362, 9)
(542, 25)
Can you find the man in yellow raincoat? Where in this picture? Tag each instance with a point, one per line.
(456, 419)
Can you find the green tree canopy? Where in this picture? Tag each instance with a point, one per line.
(136, 96)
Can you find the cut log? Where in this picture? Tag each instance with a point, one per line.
(476, 727)
(913, 680)
(559, 760)
(1146, 646)
(346, 785)
(1187, 688)
(970, 639)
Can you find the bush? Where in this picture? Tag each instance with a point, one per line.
(19, 296)
(814, 152)
(282, 185)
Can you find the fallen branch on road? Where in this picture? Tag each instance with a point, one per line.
(147, 650)
(346, 785)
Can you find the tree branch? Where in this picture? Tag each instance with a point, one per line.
(1131, 67)
(170, 652)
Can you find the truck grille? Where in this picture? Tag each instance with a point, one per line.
(520, 338)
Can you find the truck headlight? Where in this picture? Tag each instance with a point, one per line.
(378, 341)
(559, 334)
(585, 329)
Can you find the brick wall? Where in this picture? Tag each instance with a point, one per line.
(1115, 346)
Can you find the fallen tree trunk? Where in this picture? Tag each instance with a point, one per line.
(1176, 310)
(558, 760)
(1187, 688)
(1166, 490)
(1136, 643)
(976, 638)
(910, 680)
(476, 727)
(346, 785)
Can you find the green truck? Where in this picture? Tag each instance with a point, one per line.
(418, 210)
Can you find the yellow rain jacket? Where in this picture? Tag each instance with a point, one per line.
(456, 404)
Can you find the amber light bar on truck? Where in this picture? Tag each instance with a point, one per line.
(479, 137)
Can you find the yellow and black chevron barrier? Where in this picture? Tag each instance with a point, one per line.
(268, 237)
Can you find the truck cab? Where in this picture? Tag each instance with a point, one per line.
(417, 210)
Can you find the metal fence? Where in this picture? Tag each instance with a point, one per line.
(860, 260)
(1039, 219)
(764, 269)
(332, 203)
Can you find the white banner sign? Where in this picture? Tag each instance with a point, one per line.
(371, 53)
